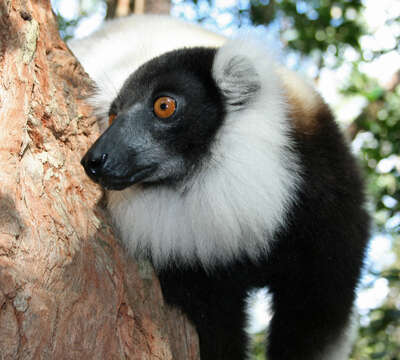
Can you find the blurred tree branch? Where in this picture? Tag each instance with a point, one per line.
(118, 8)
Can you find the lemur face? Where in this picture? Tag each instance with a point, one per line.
(162, 123)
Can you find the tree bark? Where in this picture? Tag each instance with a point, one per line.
(67, 291)
(118, 8)
(157, 6)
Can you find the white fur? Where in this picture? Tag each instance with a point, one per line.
(238, 201)
(341, 349)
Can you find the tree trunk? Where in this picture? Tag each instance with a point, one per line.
(118, 8)
(67, 291)
(157, 6)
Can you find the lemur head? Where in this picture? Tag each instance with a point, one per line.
(163, 121)
(200, 145)
(165, 118)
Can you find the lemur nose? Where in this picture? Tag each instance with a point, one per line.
(94, 163)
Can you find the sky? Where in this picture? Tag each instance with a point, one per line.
(383, 37)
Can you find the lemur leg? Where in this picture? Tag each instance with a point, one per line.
(308, 325)
(215, 306)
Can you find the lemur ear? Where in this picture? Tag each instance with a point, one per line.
(235, 75)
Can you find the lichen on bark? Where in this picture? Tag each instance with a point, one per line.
(29, 45)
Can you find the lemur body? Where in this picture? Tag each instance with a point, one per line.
(247, 183)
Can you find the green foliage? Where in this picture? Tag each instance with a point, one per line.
(378, 128)
(262, 13)
(307, 26)
(320, 24)
(66, 27)
(380, 339)
(258, 346)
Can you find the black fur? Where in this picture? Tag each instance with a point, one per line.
(312, 269)
(314, 264)
(183, 74)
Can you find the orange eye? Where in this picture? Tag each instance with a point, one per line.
(164, 107)
(111, 118)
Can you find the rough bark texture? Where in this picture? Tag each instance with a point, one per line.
(67, 291)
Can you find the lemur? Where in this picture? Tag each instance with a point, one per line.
(228, 172)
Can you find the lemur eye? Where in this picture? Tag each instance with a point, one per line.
(164, 107)
(111, 118)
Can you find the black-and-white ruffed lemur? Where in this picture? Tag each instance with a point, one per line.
(228, 172)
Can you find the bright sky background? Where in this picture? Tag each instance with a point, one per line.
(375, 15)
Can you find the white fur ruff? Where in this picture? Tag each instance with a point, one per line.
(237, 202)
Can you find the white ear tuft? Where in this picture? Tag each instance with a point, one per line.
(239, 68)
(238, 81)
